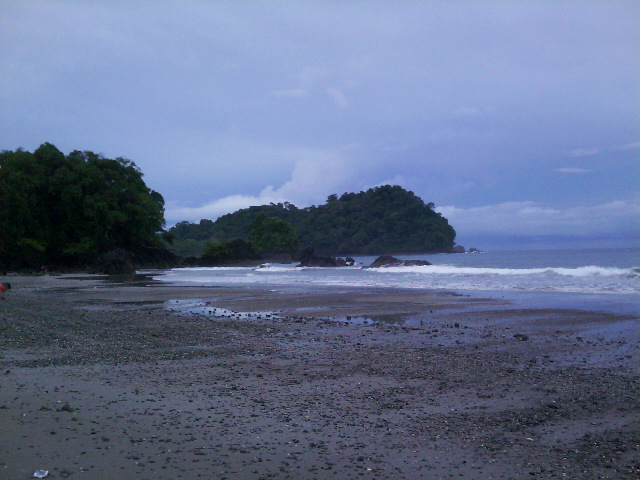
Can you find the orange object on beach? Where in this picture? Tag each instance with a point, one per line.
(4, 287)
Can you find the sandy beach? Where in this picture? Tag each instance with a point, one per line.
(106, 380)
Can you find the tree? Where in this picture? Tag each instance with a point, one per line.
(272, 235)
(219, 253)
(67, 210)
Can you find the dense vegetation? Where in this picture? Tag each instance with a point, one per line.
(272, 235)
(69, 209)
(82, 209)
(221, 253)
(386, 219)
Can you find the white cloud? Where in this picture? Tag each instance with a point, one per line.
(628, 146)
(573, 170)
(584, 152)
(398, 179)
(312, 180)
(591, 151)
(308, 78)
(532, 218)
(220, 207)
(338, 97)
(291, 93)
(468, 111)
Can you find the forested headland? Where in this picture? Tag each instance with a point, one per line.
(83, 210)
(71, 210)
(385, 219)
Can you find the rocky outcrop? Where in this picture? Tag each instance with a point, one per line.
(389, 261)
(457, 249)
(154, 257)
(116, 262)
(124, 262)
(309, 258)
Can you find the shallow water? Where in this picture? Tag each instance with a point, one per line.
(603, 279)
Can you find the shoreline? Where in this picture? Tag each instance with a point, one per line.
(103, 381)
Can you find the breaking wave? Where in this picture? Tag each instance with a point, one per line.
(611, 272)
(586, 271)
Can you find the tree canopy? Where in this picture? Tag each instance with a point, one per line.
(67, 209)
(272, 235)
(385, 219)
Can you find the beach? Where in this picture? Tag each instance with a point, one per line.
(113, 380)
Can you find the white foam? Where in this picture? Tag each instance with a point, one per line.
(591, 279)
(276, 268)
(207, 269)
(586, 271)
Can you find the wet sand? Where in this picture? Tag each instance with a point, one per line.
(112, 381)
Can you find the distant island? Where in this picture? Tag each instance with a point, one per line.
(381, 220)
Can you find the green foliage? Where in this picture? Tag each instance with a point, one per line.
(216, 253)
(272, 235)
(189, 239)
(386, 219)
(217, 250)
(67, 210)
(188, 247)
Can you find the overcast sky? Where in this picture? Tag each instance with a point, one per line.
(520, 120)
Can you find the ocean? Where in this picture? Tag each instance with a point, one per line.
(592, 279)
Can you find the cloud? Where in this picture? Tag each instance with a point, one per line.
(227, 104)
(217, 208)
(628, 146)
(338, 97)
(532, 218)
(469, 111)
(584, 152)
(311, 180)
(291, 93)
(308, 78)
(591, 151)
(573, 170)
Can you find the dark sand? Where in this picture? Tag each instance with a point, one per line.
(101, 381)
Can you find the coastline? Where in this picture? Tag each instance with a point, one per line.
(103, 381)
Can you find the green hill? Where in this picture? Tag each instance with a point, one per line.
(386, 219)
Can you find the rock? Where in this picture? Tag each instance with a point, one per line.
(389, 261)
(385, 261)
(521, 336)
(66, 408)
(309, 258)
(116, 262)
(457, 249)
(154, 257)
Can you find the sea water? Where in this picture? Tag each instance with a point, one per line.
(600, 279)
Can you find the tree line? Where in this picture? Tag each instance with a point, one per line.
(71, 210)
(67, 210)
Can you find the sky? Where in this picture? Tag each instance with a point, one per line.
(520, 120)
